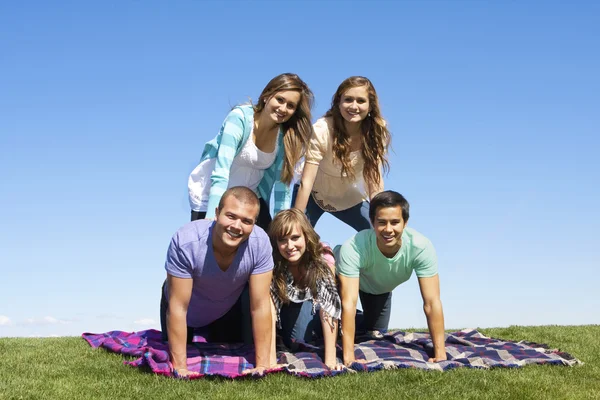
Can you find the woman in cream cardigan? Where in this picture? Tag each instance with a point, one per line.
(345, 157)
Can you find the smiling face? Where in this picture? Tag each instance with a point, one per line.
(234, 223)
(292, 246)
(282, 105)
(389, 225)
(354, 104)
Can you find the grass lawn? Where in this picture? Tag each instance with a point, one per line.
(68, 368)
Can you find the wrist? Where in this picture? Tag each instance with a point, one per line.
(348, 358)
(178, 365)
(178, 372)
(262, 362)
(330, 360)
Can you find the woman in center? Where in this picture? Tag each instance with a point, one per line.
(303, 290)
(346, 157)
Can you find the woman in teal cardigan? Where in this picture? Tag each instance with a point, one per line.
(258, 146)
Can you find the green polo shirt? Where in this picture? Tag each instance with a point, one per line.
(360, 258)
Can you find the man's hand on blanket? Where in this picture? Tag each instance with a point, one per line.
(184, 373)
(261, 370)
(438, 359)
(348, 363)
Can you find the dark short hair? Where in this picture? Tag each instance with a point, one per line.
(388, 198)
(241, 193)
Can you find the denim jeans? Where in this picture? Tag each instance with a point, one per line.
(377, 309)
(356, 216)
(298, 323)
(233, 327)
(263, 220)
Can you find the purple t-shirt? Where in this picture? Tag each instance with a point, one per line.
(214, 292)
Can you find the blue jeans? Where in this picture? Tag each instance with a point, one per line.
(298, 323)
(356, 216)
(377, 309)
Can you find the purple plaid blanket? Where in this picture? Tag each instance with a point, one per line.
(466, 348)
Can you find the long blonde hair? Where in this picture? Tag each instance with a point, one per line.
(312, 265)
(298, 129)
(375, 138)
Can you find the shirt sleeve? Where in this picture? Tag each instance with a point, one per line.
(328, 254)
(282, 192)
(264, 258)
(425, 263)
(232, 133)
(283, 196)
(271, 182)
(317, 145)
(328, 258)
(177, 263)
(348, 259)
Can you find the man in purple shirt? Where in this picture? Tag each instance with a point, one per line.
(212, 269)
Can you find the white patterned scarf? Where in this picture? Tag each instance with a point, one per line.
(327, 299)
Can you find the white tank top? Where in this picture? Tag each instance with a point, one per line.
(247, 169)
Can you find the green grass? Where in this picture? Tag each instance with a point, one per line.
(67, 368)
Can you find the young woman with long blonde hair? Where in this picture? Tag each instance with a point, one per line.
(346, 157)
(304, 294)
(258, 147)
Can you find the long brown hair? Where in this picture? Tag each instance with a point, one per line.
(311, 264)
(298, 129)
(375, 138)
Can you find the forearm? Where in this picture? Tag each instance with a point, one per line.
(348, 330)
(177, 332)
(282, 195)
(302, 197)
(216, 191)
(262, 328)
(330, 327)
(233, 133)
(273, 357)
(375, 189)
(435, 323)
(307, 181)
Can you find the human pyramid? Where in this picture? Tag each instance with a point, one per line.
(247, 277)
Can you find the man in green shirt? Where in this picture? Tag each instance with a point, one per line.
(374, 261)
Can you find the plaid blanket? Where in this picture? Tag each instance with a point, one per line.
(466, 348)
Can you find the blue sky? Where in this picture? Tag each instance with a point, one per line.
(105, 108)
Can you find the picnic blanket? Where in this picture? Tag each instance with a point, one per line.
(466, 348)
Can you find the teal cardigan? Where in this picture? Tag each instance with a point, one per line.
(234, 133)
